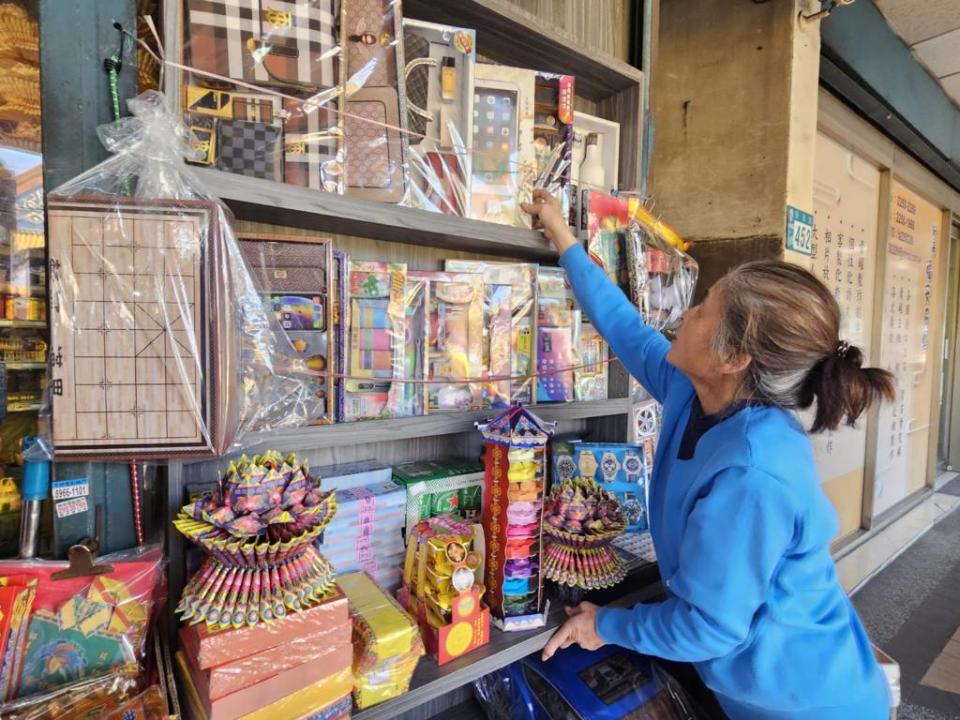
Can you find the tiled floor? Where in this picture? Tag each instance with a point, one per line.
(862, 563)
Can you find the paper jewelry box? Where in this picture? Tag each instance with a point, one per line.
(375, 118)
(143, 329)
(438, 80)
(504, 156)
(294, 276)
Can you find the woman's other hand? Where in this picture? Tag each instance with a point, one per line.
(580, 629)
(548, 216)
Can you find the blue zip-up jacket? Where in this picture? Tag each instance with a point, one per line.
(742, 532)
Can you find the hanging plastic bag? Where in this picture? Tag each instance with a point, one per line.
(163, 343)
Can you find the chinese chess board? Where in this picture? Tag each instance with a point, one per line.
(131, 348)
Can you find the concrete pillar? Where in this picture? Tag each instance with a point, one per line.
(735, 109)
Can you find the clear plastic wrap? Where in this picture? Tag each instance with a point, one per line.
(558, 337)
(63, 623)
(591, 378)
(438, 81)
(86, 698)
(454, 339)
(375, 326)
(522, 279)
(386, 642)
(606, 684)
(662, 277)
(265, 97)
(497, 345)
(151, 298)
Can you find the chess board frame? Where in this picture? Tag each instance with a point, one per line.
(324, 246)
(200, 406)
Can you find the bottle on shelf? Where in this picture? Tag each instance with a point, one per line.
(592, 174)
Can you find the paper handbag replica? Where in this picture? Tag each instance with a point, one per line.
(375, 117)
(144, 336)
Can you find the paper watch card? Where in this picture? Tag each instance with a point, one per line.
(294, 276)
(142, 329)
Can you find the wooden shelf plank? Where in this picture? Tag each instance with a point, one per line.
(431, 681)
(513, 36)
(292, 206)
(406, 428)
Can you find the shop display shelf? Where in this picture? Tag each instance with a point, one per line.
(406, 428)
(511, 35)
(291, 206)
(23, 323)
(431, 681)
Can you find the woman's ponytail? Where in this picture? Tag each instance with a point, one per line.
(843, 389)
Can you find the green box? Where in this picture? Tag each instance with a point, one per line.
(436, 487)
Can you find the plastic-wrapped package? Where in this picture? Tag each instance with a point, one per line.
(151, 297)
(376, 341)
(575, 684)
(604, 220)
(454, 338)
(386, 642)
(375, 117)
(662, 277)
(497, 345)
(522, 279)
(591, 378)
(294, 276)
(438, 81)
(148, 705)
(85, 698)
(441, 487)
(367, 532)
(504, 154)
(62, 625)
(553, 135)
(266, 95)
(558, 336)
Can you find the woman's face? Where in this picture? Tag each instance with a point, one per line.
(692, 350)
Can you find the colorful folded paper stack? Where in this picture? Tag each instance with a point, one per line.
(296, 667)
(367, 533)
(386, 642)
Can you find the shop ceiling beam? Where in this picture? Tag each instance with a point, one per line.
(866, 64)
(75, 37)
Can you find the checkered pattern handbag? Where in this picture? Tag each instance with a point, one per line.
(311, 147)
(250, 148)
(278, 42)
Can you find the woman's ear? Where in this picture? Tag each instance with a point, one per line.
(736, 365)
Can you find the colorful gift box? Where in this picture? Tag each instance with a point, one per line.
(558, 336)
(250, 148)
(515, 459)
(618, 468)
(553, 134)
(439, 487)
(313, 145)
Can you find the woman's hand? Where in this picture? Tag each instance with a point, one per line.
(580, 629)
(548, 216)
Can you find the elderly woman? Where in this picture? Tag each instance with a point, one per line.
(741, 526)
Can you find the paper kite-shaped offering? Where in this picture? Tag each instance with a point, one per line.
(581, 519)
(258, 524)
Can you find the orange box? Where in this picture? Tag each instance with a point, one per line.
(468, 630)
(211, 648)
(230, 677)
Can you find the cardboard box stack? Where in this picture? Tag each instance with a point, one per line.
(441, 487)
(367, 533)
(296, 667)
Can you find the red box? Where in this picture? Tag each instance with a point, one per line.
(468, 630)
(212, 648)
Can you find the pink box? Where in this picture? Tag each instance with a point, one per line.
(320, 647)
(210, 649)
